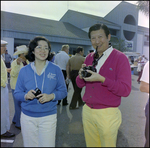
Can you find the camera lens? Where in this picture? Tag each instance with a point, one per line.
(83, 73)
(37, 92)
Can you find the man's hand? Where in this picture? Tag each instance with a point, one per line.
(83, 65)
(9, 70)
(94, 77)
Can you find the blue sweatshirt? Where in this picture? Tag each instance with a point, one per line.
(53, 83)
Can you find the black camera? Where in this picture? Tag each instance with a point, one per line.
(85, 74)
(38, 91)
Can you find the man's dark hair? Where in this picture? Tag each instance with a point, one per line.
(98, 27)
(79, 48)
(91, 51)
(33, 44)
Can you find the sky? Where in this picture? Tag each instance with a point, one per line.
(54, 10)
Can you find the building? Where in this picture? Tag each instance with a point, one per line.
(72, 29)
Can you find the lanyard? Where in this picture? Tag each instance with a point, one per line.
(42, 82)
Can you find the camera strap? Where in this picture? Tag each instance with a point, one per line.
(95, 62)
(99, 58)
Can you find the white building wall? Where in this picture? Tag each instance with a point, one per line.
(146, 51)
(139, 46)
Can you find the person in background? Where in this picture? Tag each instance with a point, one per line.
(53, 57)
(103, 89)
(73, 66)
(132, 59)
(15, 56)
(39, 86)
(16, 65)
(90, 51)
(141, 62)
(144, 87)
(8, 60)
(61, 59)
(5, 123)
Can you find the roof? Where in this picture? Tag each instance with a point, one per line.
(98, 18)
(29, 24)
(93, 17)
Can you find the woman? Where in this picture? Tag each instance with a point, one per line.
(16, 65)
(39, 87)
(104, 89)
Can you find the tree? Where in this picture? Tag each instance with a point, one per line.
(144, 7)
(118, 44)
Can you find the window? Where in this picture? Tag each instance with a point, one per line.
(129, 19)
(72, 50)
(128, 35)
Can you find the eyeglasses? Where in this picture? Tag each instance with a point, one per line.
(39, 48)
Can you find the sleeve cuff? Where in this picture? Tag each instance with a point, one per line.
(25, 97)
(54, 97)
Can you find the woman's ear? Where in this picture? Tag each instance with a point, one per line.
(33, 52)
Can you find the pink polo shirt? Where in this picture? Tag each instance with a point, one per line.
(117, 72)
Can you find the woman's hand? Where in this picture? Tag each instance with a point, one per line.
(19, 60)
(45, 97)
(94, 77)
(30, 95)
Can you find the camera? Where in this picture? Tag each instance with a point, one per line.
(38, 91)
(85, 74)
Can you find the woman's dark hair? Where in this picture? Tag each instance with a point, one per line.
(79, 48)
(33, 44)
(97, 27)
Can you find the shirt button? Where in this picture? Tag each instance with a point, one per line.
(90, 96)
(93, 87)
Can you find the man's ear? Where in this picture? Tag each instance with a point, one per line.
(109, 37)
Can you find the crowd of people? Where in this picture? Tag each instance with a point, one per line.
(38, 80)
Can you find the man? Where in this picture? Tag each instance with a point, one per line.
(8, 59)
(104, 88)
(73, 66)
(5, 123)
(144, 87)
(61, 59)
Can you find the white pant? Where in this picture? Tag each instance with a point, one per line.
(38, 131)
(5, 123)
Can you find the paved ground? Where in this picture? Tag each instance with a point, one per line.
(69, 124)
